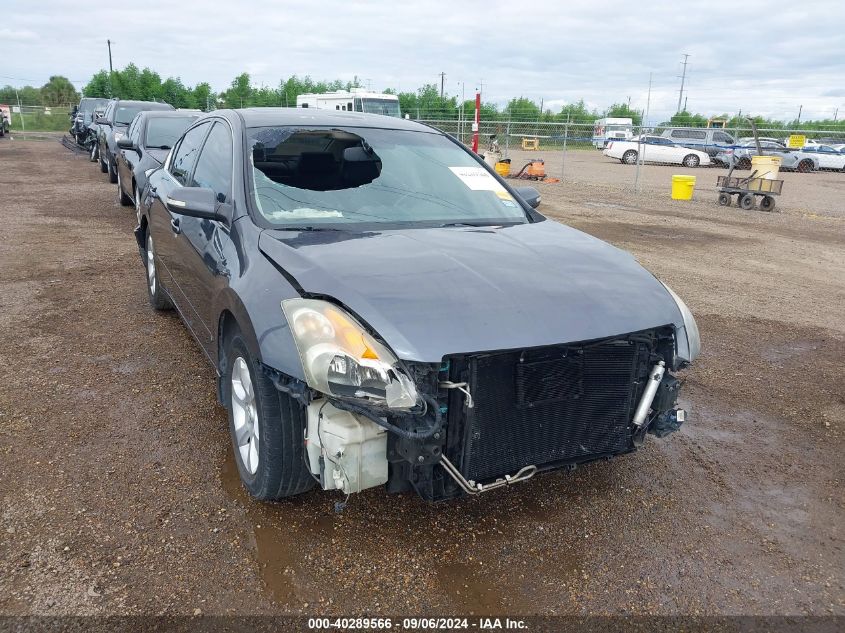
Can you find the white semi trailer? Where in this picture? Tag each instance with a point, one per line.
(357, 100)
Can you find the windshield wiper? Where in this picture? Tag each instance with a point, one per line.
(473, 224)
(158, 146)
(304, 228)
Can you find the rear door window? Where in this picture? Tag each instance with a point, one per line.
(186, 154)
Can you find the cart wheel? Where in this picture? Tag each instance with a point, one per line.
(767, 203)
(746, 201)
(724, 199)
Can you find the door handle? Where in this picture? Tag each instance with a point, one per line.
(174, 224)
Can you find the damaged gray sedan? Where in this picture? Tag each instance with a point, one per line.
(383, 310)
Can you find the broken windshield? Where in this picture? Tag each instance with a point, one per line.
(321, 176)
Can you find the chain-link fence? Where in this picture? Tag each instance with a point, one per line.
(660, 158)
(38, 118)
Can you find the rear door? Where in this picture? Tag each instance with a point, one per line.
(128, 158)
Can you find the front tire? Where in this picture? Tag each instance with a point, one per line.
(691, 160)
(724, 200)
(125, 200)
(267, 429)
(94, 153)
(805, 166)
(111, 170)
(629, 157)
(158, 297)
(103, 167)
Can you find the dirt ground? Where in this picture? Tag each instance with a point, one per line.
(120, 495)
(817, 193)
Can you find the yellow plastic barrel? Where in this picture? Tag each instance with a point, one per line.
(766, 166)
(682, 187)
(503, 168)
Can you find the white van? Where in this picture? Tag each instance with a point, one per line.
(358, 100)
(612, 129)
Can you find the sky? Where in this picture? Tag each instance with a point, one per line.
(765, 58)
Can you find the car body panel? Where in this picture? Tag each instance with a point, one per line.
(434, 292)
(655, 149)
(427, 292)
(790, 159)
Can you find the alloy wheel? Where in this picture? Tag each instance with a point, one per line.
(245, 415)
(151, 266)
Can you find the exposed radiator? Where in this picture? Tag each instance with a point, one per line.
(552, 405)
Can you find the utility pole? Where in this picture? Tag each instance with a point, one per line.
(685, 104)
(683, 79)
(111, 69)
(835, 114)
(442, 83)
(640, 135)
(801, 107)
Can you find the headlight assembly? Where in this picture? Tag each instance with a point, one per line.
(692, 339)
(340, 358)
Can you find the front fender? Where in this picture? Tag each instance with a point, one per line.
(253, 296)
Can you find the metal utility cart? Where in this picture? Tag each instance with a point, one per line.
(746, 189)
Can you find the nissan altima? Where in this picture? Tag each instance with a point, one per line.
(381, 309)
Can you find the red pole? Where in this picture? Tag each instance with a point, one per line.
(477, 121)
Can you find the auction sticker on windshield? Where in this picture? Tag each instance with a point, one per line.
(477, 178)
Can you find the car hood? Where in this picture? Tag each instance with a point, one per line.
(434, 292)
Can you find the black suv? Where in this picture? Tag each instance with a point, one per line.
(113, 125)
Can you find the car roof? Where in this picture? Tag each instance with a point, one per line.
(144, 103)
(169, 114)
(263, 117)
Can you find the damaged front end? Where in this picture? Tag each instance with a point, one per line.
(473, 422)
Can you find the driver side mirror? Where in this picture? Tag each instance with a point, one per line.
(126, 143)
(195, 202)
(103, 121)
(530, 195)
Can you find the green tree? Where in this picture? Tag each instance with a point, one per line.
(174, 92)
(577, 112)
(99, 86)
(239, 92)
(623, 111)
(58, 91)
(150, 86)
(28, 95)
(126, 83)
(522, 109)
(204, 98)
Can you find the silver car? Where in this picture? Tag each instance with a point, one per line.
(739, 156)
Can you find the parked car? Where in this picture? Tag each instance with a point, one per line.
(740, 156)
(655, 149)
(5, 120)
(383, 309)
(94, 134)
(710, 140)
(113, 125)
(828, 156)
(148, 140)
(83, 117)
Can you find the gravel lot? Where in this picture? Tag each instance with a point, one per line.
(817, 193)
(121, 496)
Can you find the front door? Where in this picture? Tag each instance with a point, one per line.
(199, 247)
